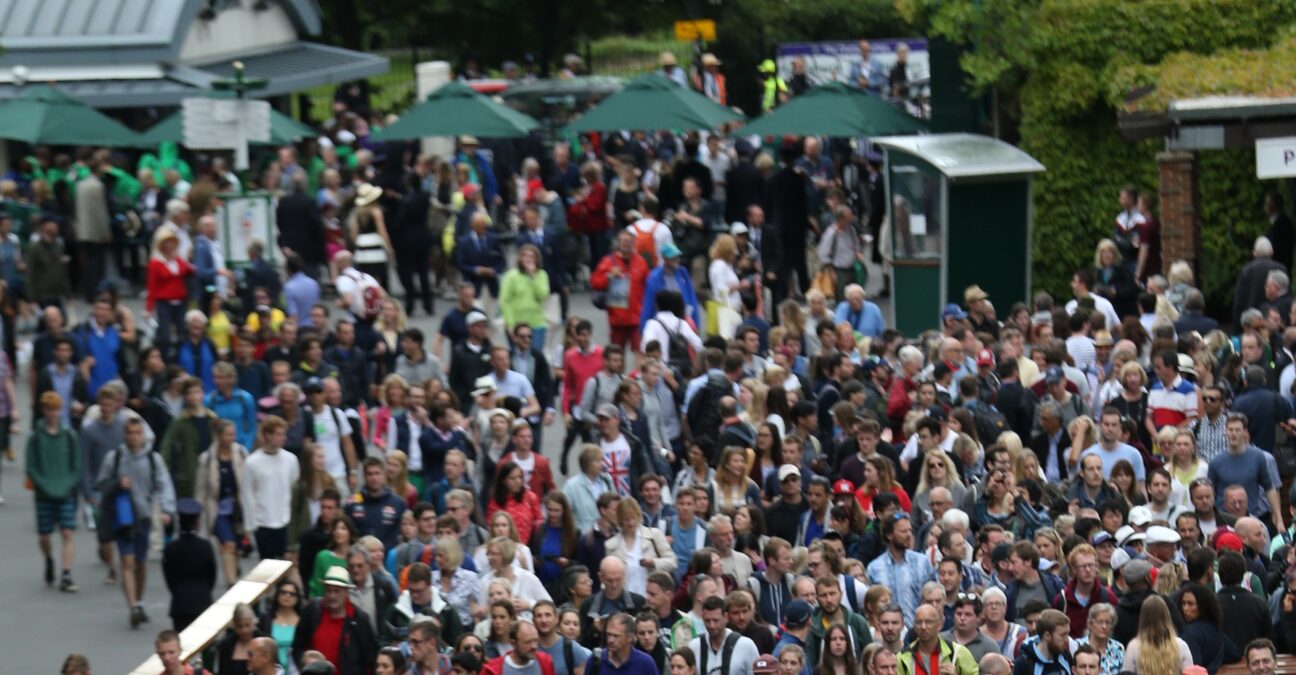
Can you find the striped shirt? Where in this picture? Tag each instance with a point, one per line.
(1172, 405)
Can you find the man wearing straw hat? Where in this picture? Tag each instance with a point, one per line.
(336, 628)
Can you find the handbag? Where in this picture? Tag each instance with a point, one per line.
(825, 281)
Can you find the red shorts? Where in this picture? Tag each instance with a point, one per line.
(626, 336)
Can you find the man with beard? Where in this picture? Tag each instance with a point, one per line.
(526, 657)
(930, 653)
(336, 628)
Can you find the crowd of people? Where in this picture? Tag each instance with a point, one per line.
(767, 477)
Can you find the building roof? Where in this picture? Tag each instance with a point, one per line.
(126, 53)
(965, 155)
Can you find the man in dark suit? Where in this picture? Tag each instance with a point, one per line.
(1016, 401)
(300, 227)
(1052, 442)
(470, 359)
(1282, 233)
(412, 239)
(744, 185)
(1192, 318)
(1253, 277)
(528, 358)
(788, 214)
(478, 255)
(189, 567)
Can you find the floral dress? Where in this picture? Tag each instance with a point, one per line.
(464, 589)
(1112, 660)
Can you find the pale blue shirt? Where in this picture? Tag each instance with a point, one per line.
(1110, 457)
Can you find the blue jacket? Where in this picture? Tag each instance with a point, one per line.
(1052, 587)
(379, 515)
(480, 163)
(1264, 409)
(240, 408)
(469, 256)
(435, 447)
(106, 350)
(204, 261)
(656, 282)
(868, 321)
(197, 360)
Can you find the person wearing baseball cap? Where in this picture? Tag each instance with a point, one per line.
(795, 629)
(616, 449)
(671, 274)
(952, 314)
(1137, 575)
(470, 359)
(1161, 544)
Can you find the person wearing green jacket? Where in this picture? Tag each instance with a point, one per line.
(54, 468)
(186, 438)
(523, 293)
(929, 652)
(831, 611)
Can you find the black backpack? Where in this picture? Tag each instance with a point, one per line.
(989, 421)
(704, 410)
(726, 651)
(677, 351)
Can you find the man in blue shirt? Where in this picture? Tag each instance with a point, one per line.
(863, 316)
(868, 74)
(620, 657)
(1245, 465)
(901, 568)
(1110, 448)
(102, 345)
(300, 292)
(235, 405)
(670, 274)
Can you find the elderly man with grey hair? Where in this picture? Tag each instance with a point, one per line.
(1253, 279)
(1193, 319)
(1277, 291)
(1051, 441)
(721, 531)
(863, 316)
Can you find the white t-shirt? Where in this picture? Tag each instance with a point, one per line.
(910, 452)
(660, 328)
(329, 438)
(740, 662)
(723, 280)
(347, 287)
(527, 465)
(616, 462)
(271, 478)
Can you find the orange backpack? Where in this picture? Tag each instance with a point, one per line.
(646, 243)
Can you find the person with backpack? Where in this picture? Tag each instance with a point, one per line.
(651, 235)
(670, 274)
(360, 295)
(133, 479)
(619, 283)
(670, 329)
(702, 404)
(735, 653)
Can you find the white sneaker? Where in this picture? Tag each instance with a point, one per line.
(88, 512)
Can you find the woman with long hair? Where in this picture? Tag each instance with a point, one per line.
(726, 286)
(399, 477)
(232, 650)
(938, 470)
(221, 486)
(697, 471)
(877, 597)
(769, 453)
(501, 525)
(525, 587)
(523, 293)
(1113, 280)
(778, 411)
(1133, 400)
(389, 326)
(1185, 467)
(1122, 478)
(457, 586)
(879, 476)
(342, 535)
(643, 549)
(510, 493)
(168, 288)
(1084, 434)
(731, 486)
(554, 541)
(279, 620)
(307, 492)
(368, 229)
(500, 615)
(1200, 610)
(393, 411)
(837, 657)
(1157, 648)
(1111, 653)
(752, 394)
(1111, 386)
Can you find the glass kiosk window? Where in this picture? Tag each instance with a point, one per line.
(916, 212)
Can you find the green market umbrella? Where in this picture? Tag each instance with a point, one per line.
(457, 110)
(43, 115)
(655, 102)
(835, 109)
(284, 130)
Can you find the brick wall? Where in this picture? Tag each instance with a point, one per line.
(1180, 220)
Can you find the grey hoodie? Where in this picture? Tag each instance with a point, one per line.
(148, 483)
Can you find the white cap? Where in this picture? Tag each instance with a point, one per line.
(474, 317)
(1119, 558)
(1140, 516)
(1159, 534)
(1127, 534)
(738, 228)
(788, 470)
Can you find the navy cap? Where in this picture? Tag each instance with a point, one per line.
(1103, 537)
(953, 311)
(936, 412)
(797, 613)
(188, 507)
(1053, 374)
(313, 385)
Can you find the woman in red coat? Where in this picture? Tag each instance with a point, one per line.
(588, 213)
(168, 288)
(511, 494)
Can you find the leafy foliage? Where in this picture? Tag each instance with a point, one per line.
(1067, 66)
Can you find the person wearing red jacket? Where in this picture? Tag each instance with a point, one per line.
(621, 276)
(167, 289)
(526, 648)
(535, 467)
(904, 386)
(511, 494)
(1083, 563)
(588, 213)
(581, 362)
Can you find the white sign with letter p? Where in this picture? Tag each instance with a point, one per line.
(1276, 157)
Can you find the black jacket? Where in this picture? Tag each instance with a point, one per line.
(1040, 444)
(359, 646)
(1250, 285)
(785, 195)
(542, 380)
(189, 567)
(1018, 405)
(1127, 614)
(300, 226)
(465, 367)
(1282, 234)
(44, 383)
(1210, 648)
(1244, 616)
(744, 188)
(353, 366)
(409, 232)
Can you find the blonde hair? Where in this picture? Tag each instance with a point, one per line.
(628, 507)
(951, 473)
(756, 411)
(1133, 367)
(390, 381)
(1158, 647)
(451, 549)
(1010, 440)
(507, 548)
(1103, 245)
(1180, 273)
(1090, 432)
(400, 484)
(725, 248)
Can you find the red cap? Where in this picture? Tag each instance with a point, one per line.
(1228, 541)
(469, 190)
(985, 358)
(843, 487)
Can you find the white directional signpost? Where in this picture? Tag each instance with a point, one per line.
(228, 124)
